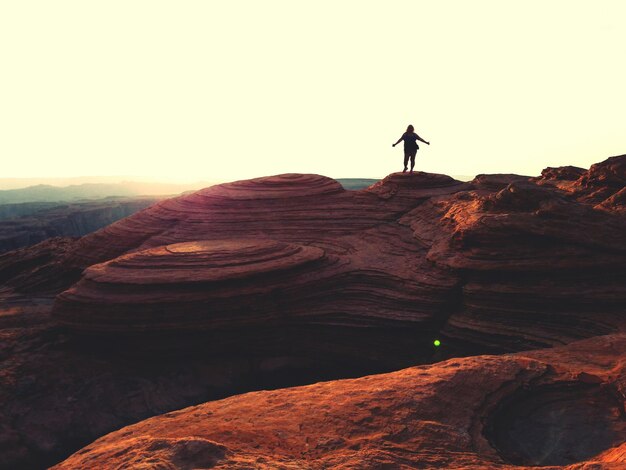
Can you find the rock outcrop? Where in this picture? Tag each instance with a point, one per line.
(558, 407)
(293, 258)
(538, 268)
(291, 279)
(503, 264)
(38, 269)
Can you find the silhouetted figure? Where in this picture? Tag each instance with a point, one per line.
(410, 146)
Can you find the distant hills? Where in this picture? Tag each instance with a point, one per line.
(28, 223)
(49, 193)
(356, 183)
(20, 183)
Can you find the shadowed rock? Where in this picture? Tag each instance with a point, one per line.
(48, 220)
(538, 266)
(564, 173)
(559, 407)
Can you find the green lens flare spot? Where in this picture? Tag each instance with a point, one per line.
(437, 342)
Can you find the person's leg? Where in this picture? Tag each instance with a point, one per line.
(406, 160)
(412, 161)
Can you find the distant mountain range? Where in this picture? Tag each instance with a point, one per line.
(20, 183)
(49, 193)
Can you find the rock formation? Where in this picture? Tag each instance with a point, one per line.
(291, 279)
(555, 407)
(538, 268)
(412, 253)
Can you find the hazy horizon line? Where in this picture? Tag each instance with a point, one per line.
(15, 183)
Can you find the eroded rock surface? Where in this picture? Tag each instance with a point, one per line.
(539, 267)
(502, 265)
(291, 279)
(563, 406)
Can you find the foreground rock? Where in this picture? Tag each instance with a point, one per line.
(554, 407)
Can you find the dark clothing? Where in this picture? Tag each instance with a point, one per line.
(410, 148)
(410, 142)
(411, 155)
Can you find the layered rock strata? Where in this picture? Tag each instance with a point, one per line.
(291, 279)
(294, 208)
(368, 279)
(359, 298)
(503, 264)
(538, 266)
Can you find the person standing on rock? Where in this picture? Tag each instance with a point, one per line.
(410, 146)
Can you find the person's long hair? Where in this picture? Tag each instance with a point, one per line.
(410, 128)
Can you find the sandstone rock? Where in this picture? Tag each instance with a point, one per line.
(526, 409)
(38, 269)
(567, 173)
(614, 203)
(498, 181)
(369, 293)
(357, 273)
(535, 264)
(610, 173)
(290, 279)
(293, 208)
(485, 263)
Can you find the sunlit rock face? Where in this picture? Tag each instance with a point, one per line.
(558, 407)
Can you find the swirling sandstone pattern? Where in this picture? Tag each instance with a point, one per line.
(290, 279)
(363, 276)
(504, 264)
(295, 208)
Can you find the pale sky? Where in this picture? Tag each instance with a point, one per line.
(225, 90)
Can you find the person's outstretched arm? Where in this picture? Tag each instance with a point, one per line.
(419, 138)
(399, 140)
